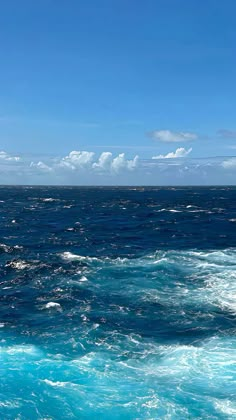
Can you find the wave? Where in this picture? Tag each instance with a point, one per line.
(187, 277)
(49, 200)
(147, 337)
(69, 256)
(19, 265)
(9, 249)
(154, 381)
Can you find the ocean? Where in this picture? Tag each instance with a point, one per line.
(117, 303)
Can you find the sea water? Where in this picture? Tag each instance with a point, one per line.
(117, 303)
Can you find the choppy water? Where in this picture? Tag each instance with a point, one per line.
(117, 303)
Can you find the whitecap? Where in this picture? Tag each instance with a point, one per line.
(83, 279)
(169, 210)
(49, 200)
(19, 265)
(53, 305)
(69, 256)
(5, 248)
(57, 384)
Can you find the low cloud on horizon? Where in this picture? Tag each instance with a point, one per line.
(86, 168)
(179, 153)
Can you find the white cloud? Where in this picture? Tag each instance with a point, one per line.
(120, 163)
(104, 161)
(84, 168)
(6, 157)
(168, 136)
(229, 163)
(77, 160)
(41, 166)
(179, 153)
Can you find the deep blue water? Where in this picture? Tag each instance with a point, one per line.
(117, 303)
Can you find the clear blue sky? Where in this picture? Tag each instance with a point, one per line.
(139, 77)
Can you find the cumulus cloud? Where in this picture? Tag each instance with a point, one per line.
(179, 153)
(85, 161)
(104, 162)
(5, 156)
(77, 160)
(229, 163)
(120, 163)
(168, 136)
(226, 134)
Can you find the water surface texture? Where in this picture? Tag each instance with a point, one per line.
(117, 303)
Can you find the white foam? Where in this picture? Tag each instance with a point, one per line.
(221, 290)
(19, 349)
(210, 364)
(5, 247)
(83, 279)
(226, 407)
(75, 257)
(169, 210)
(10, 404)
(49, 200)
(19, 265)
(53, 305)
(56, 384)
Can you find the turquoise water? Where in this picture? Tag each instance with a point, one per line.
(117, 303)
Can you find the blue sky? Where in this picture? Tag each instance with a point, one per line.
(153, 79)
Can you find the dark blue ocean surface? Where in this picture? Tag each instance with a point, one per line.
(117, 303)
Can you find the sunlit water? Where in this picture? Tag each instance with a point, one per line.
(118, 303)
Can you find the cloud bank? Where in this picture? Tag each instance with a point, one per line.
(86, 168)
